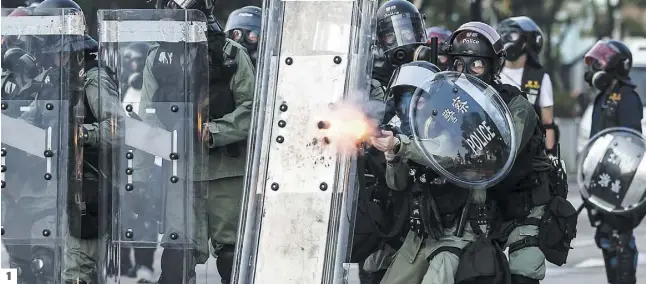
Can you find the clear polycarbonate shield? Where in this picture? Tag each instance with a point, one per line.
(612, 170)
(42, 163)
(159, 157)
(299, 190)
(463, 129)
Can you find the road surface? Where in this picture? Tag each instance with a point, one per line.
(584, 266)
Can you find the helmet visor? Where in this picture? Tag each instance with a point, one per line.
(401, 29)
(510, 35)
(600, 55)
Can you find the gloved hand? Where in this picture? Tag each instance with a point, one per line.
(89, 134)
(386, 142)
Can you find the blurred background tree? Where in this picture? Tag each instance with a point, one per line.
(570, 26)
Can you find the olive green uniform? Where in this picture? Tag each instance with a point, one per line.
(217, 209)
(80, 255)
(411, 264)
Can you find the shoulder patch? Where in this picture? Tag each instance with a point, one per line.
(615, 97)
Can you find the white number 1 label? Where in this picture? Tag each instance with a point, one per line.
(9, 276)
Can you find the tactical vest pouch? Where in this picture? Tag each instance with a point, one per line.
(483, 262)
(83, 210)
(557, 229)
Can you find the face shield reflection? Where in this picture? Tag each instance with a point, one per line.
(399, 30)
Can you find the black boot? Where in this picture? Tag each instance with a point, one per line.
(519, 279)
(224, 263)
(172, 266)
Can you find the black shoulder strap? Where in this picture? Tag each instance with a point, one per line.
(508, 92)
(453, 250)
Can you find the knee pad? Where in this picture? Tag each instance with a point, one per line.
(224, 262)
(519, 279)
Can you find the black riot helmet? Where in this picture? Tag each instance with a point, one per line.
(442, 34)
(521, 35)
(606, 61)
(400, 30)
(476, 49)
(243, 26)
(57, 43)
(135, 56)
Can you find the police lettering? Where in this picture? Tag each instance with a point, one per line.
(480, 138)
(470, 40)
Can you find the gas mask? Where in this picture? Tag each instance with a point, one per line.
(248, 39)
(514, 43)
(20, 62)
(403, 111)
(514, 50)
(401, 54)
(599, 80)
(476, 66)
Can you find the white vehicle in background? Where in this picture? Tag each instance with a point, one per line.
(637, 74)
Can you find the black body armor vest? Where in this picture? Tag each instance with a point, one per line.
(531, 85)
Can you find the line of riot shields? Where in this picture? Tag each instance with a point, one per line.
(84, 181)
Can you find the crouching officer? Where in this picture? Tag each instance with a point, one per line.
(474, 49)
(616, 104)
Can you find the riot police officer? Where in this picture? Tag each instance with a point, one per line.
(243, 27)
(523, 40)
(475, 49)
(616, 104)
(231, 86)
(442, 34)
(75, 54)
(400, 30)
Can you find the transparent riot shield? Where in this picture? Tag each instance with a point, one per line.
(463, 129)
(612, 171)
(158, 164)
(300, 192)
(42, 162)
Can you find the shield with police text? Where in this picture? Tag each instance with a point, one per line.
(463, 130)
(612, 170)
(43, 194)
(158, 156)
